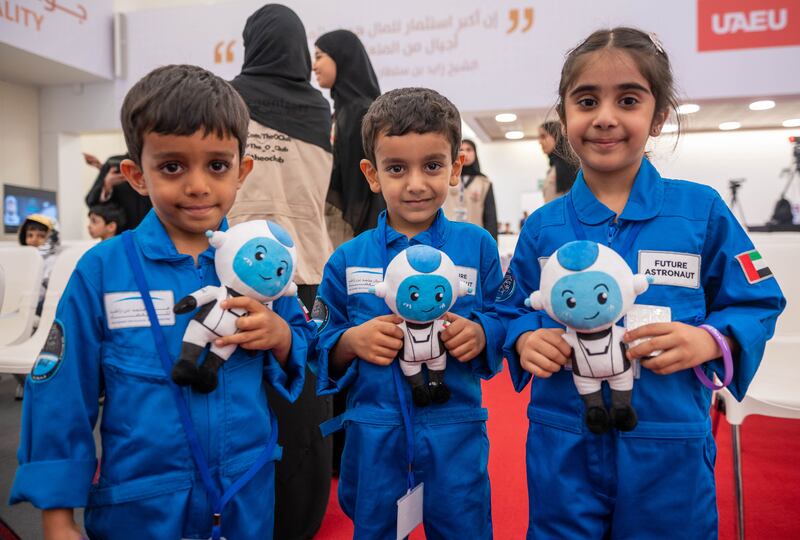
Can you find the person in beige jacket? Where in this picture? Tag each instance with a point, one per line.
(289, 141)
(472, 200)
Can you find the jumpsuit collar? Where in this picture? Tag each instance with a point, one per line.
(644, 202)
(434, 236)
(156, 244)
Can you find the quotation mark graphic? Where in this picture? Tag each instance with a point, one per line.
(513, 14)
(218, 48)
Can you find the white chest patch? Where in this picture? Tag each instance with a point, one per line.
(360, 279)
(126, 309)
(469, 276)
(671, 268)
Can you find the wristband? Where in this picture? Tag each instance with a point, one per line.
(727, 359)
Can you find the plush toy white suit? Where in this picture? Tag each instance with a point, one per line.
(588, 287)
(255, 259)
(420, 285)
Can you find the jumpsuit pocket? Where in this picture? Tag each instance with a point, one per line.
(150, 507)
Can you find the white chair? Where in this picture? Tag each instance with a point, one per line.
(23, 267)
(773, 392)
(19, 358)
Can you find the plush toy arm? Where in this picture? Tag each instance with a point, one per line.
(197, 298)
(379, 290)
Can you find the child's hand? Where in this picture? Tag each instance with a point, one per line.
(59, 524)
(463, 338)
(543, 352)
(377, 341)
(683, 346)
(261, 330)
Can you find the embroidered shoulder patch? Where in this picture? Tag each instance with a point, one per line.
(754, 267)
(320, 314)
(49, 359)
(506, 288)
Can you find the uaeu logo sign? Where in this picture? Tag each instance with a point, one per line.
(747, 24)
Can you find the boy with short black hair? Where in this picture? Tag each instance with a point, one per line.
(411, 137)
(185, 129)
(105, 221)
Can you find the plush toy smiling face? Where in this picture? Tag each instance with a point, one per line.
(586, 300)
(263, 265)
(424, 297)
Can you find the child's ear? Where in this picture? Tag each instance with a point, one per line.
(371, 174)
(458, 164)
(134, 175)
(658, 123)
(245, 168)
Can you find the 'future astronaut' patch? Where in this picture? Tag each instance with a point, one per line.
(49, 360)
(754, 267)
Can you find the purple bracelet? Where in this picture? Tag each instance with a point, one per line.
(727, 359)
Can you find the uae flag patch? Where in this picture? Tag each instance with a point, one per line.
(754, 267)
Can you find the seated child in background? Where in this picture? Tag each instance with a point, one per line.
(186, 131)
(105, 220)
(411, 137)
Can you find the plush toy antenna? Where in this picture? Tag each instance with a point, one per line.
(535, 301)
(379, 290)
(641, 283)
(464, 289)
(216, 238)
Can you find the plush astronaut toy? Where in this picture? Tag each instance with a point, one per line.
(255, 259)
(420, 285)
(588, 287)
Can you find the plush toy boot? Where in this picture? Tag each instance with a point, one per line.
(596, 416)
(439, 391)
(419, 390)
(206, 380)
(623, 416)
(184, 372)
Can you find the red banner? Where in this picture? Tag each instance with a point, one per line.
(747, 24)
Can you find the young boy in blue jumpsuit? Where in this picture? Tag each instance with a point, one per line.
(412, 138)
(185, 129)
(656, 481)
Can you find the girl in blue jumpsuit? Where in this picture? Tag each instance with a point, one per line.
(451, 447)
(656, 481)
(148, 485)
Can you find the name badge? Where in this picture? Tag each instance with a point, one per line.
(360, 279)
(409, 511)
(670, 268)
(126, 309)
(469, 276)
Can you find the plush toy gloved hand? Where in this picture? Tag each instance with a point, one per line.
(255, 259)
(420, 285)
(588, 287)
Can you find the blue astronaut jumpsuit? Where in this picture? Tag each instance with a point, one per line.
(148, 485)
(451, 447)
(656, 481)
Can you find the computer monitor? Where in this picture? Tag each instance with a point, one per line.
(19, 202)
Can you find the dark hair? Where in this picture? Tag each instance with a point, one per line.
(647, 53)
(562, 148)
(35, 222)
(180, 100)
(407, 110)
(110, 213)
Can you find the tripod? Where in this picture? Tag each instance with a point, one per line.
(736, 205)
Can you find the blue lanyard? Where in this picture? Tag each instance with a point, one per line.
(405, 407)
(217, 502)
(580, 233)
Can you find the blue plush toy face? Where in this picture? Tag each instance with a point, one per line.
(586, 300)
(423, 297)
(263, 265)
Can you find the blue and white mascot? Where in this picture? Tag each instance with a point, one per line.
(255, 259)
(420, 285)
(588, 287)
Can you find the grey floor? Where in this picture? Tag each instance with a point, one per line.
(23, 518)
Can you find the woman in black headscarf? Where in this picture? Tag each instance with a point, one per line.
(289, 140)
(472, 200)
(341, 63)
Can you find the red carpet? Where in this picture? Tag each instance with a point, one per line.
(770, 448)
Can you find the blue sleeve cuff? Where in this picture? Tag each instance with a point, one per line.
(490, 361)
(54, 484)
(328, 383)
(751, 339)
(288, 380)
(526, 323)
